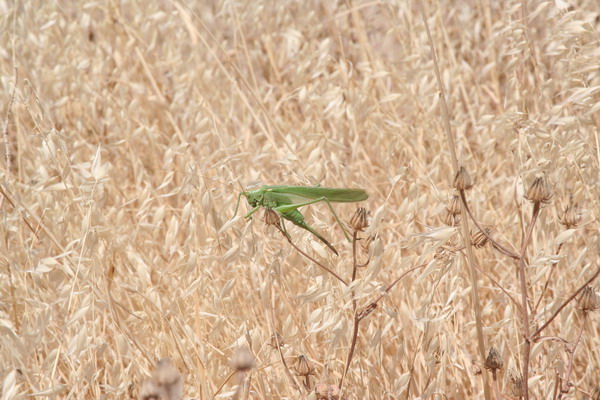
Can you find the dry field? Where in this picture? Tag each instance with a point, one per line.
(130, 127)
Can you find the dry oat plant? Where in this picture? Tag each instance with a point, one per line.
(129, 129)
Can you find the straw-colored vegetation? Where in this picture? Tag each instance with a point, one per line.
(130, 127)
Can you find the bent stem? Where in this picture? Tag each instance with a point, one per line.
(339, 278)
(496, 244)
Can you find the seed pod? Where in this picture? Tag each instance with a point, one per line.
(571, 217)
(516, 384)
(539, 191)
(493, 362)
(271, 217)
(325, 391)
(479, 239)
(451, 219)
(277, 340)
(454, 206)
(304, 366)
(359, 221)
(588, 300)
(462, 180)
(242, 360)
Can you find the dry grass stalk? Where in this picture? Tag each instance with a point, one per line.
(132, 127)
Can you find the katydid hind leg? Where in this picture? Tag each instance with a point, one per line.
(297, 219)
(293, 207)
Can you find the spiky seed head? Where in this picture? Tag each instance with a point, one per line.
(451, 219)
(462, 180)
(588, 300)
(304, 367)
(277, 341)
(454, 206)
(595, 393)
(360, 219)
(480, 239)
(242, 360)
(271, 217)
(493, 361)
(325, 391)
(571, 216)
(539, 191)
(516, 383)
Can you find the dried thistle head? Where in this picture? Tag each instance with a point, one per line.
(276, 340)
(365, 244)
(242, 360)
(588, 300)
(493, 361)
(462, 180)
(451, 219)
(539, 191)
(516, 383)
(304, 367)
(571, 217)
(360, 219)
(480, 239)
(165, 384)
(271, 217)
(454, 206)
(325, 391)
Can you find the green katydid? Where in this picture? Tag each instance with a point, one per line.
(285, 200)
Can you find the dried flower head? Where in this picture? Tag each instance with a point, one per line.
(480, 239)
(276, 340)
(516, 383)
(243, 359)
(571, 216)
(462, 180)
(493, 361)
(165, 383)
(595, 393)
(271, 217)
(304, 367)
(325, 391)
(454, 206)
(360, 219)
(539, 191)
(451, 219)
(588, 300)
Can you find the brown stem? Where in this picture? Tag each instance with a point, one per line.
(500, 287)
(339, 278)
(567, 382)
(555, 388)
(354, 267)
(564, 304)
(537, 304)
(496, 244)
(351, 351)
(525, 301)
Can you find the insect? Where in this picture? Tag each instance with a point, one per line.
(285, 200)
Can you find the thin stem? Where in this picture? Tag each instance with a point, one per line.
(567, 385)
(500, 287)
(354, 267)
(537, 304)
(564, 304)
(339, 278)
(496, 244)
(351, 351)
(525, 301)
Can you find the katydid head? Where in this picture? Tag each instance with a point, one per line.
(254, 197)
